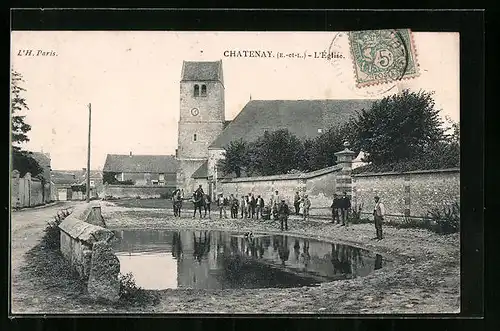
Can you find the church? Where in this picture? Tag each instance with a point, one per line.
(203, 131)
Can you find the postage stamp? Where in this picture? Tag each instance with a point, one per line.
(383, 56)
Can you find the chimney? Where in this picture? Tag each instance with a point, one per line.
(130, 154)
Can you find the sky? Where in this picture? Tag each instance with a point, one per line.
(131, 79)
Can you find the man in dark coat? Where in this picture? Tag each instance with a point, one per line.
(345, 205)
(197, 201)
(234, 206)
(259, 206)
(335, 209)
(296, 203)
(283, 212)
(253, 204)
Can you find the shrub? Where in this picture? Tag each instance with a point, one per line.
(52, 237)
(447, 219)
(409, 222)
(355, 214)
(130, 293)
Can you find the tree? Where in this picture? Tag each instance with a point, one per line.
(109, 177)
(236, 158)
(320, 152)
(21, 160)
(276, 153)
(399, 128)
(18, 104)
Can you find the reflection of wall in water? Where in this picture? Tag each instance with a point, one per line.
(206, 258)
(312, 256)
(136, 241)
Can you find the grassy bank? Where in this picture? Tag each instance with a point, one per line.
(48, 284)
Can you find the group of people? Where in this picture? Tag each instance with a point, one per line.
(249, 206)
(340, 208)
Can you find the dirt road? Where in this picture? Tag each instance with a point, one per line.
(26, 231)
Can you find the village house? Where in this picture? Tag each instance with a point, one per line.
(64, 182)
(140, 170)
(69, 184)
(44, 161)
(96, 181)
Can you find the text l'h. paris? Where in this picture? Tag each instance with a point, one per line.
(38, 52)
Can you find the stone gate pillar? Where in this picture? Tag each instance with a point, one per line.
(344, 179)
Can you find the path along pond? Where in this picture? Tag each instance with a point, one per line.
(165, 259)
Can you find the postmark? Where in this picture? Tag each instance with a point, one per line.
(340, 44)
(382, 56)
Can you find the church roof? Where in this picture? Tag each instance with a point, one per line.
(202, 171)
(140, 163)
(202, 71)
(304, 118)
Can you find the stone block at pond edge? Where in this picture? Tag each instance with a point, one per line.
(103, 281)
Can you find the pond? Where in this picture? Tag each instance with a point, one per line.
(163, 259)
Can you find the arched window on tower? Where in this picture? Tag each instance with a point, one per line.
(203, 90)
(195, 137)
(196, 90)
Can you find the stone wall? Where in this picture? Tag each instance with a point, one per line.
(28, 191)
(411, 193)
(133, 191)
(86, 247)
(318, 185)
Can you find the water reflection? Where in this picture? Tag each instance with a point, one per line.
(215, 260)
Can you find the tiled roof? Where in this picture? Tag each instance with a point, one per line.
(140, 163)
(202, 71)
(43, 160)
(202, 171)
(64, 177)
(301, 117)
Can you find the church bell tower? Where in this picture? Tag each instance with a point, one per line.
(202, 115)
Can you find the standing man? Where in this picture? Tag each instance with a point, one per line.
(296, 203)
(197, 202)
(242, 206)
(306, 205)
(179, 200)
(276, 199)
(335, 209)
(207, 201)
(253, 204)
(234, 206)
(174, 204)
(283, 212)
(378, 216)
(345, 205)
(222, 208)
(259, 206)
(247, 206)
